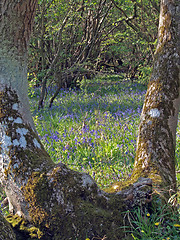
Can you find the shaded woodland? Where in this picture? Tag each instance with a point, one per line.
(75, 40)
(47, 200)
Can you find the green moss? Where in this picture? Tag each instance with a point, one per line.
(15, 220)
(37, 194)
(6, 231)
(156, 141)
(22, 160)
(81, 212)
(24, 227)
(164, 30)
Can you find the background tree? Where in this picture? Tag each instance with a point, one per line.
(107, 36)
(61, 203)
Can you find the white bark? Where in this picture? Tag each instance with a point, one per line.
(13, 74)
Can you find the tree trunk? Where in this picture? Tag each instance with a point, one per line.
(155, 156)
(58, 202)
(6, 232)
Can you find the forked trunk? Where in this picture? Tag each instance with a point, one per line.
(61, 203)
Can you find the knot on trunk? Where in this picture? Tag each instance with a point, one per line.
(140, 193)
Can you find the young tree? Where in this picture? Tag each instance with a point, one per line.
(61, 203)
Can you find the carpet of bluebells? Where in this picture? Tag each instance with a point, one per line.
(93, 129)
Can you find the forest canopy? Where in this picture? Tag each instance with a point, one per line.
(76, 40)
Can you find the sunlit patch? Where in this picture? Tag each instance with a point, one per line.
(115, 187)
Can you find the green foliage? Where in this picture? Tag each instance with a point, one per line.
(75, 40)
(3, 209)
(145, 73)
(94, 130)
(161, 224)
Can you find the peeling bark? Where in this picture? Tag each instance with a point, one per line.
(49, 201)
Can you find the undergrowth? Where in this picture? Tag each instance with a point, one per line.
(94, 129)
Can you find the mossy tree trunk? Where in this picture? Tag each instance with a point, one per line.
(58, 202)
(6, 232)
(155, 156)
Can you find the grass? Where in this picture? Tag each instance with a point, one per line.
(94, 130)
(159, 225)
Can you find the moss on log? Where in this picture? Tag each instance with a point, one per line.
(6, 232)
(64, 204)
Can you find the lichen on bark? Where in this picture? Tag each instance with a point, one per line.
(52, 201)
(6, 232)
(65, 204)
(20, 151)
(157, 131)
